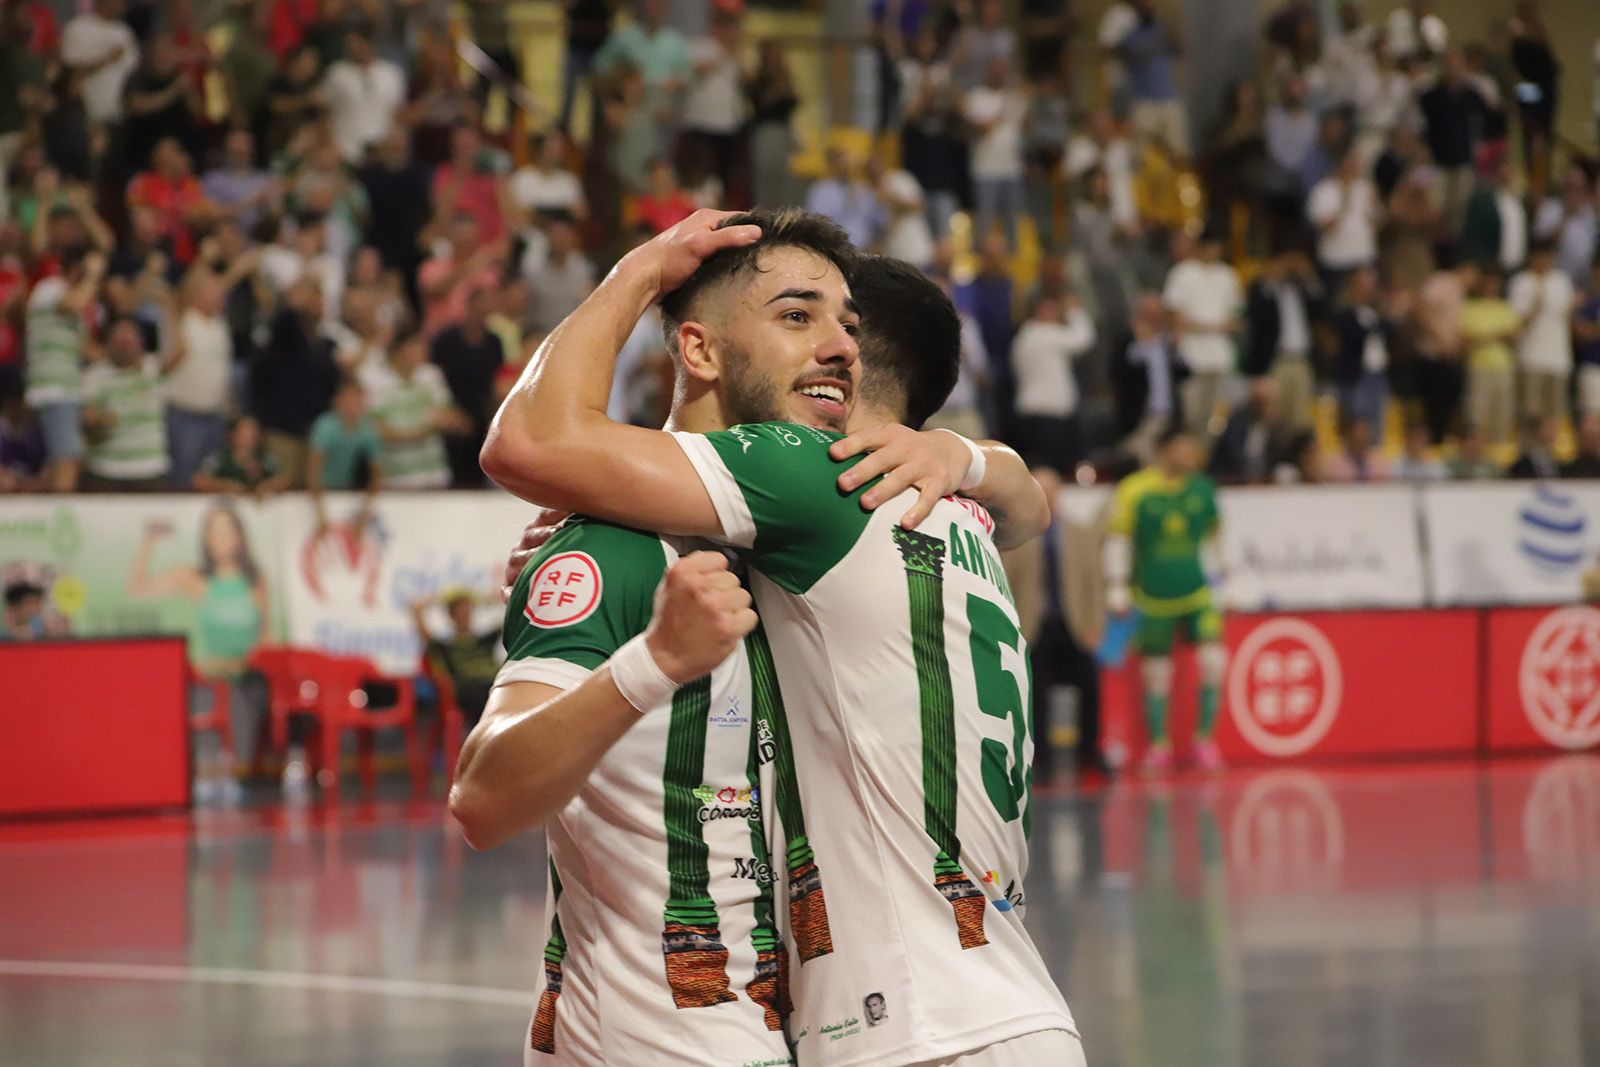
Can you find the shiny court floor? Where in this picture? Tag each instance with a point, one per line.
(1404, 915)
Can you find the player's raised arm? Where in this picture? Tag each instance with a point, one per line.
(551, 442)
(537, 744)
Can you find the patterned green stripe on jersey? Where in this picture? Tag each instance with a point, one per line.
(923, 556)
(542, 1035)
(770, 985)
(691, 941)
(808, 906)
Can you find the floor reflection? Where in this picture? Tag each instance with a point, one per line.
(1404, 914)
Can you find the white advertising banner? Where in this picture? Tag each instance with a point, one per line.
(1303, 548)
(1511, 542)
(350, 589)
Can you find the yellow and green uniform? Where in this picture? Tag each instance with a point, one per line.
(1167, 522)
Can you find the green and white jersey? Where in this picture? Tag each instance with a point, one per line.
(406, 405)
(136, 444)
(905, 680)
(663, 947)
(54, 345)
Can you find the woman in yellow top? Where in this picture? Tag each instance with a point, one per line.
(1489, 326)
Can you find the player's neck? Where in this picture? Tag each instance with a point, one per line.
(696, 410)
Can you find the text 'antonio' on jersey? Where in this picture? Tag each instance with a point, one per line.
(903, 810)
(662, 946)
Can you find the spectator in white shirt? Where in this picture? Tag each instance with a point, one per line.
(1544, 298)
(101, 47)
(1384, 100)
(200, 368)
(364, 95)
(561, 280)
(546, 184)
(1118, 21)
(1413, 30)
(1345, 209)
(996, 111)
(907, 236)
(713, 106)
(1108, 147)
(1057, 333)
(1203, 297)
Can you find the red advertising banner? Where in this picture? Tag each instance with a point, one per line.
(93, 726)
(1324, 685)
(1542, 679)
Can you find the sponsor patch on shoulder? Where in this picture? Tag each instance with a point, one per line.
(564, 590)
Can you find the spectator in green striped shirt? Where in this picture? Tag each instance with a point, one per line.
(55, 341)
(412, 406)
(124, 415)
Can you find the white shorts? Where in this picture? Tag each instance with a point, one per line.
(1046, 1048)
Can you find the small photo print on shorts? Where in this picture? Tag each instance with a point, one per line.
(876, 1009)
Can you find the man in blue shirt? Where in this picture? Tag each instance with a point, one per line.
(1147, 52)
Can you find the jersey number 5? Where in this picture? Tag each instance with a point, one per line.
(1003, 689)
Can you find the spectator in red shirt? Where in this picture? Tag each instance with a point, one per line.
(170, 187)
(666, 204)
(448, 281)
(470, 182)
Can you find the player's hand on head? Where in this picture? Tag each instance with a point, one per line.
(931, 461)
(672, 255)
(534, 535)
(701, 615)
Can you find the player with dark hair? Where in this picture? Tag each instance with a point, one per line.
(896, 746)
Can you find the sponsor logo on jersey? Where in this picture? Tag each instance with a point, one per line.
(1559, 678)
(1010, 899)
(752, 869)
(564, 590)
(766, 747)
(733, 716)
(728, 802)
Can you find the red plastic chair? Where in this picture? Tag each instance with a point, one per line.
(342, 705)
(218, 718)
(291, 676)
(450, 731)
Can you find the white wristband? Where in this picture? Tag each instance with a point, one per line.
(977, 469)
(640, 681)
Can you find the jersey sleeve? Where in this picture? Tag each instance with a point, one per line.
(1123, 506)
(777, 496)
(580, 598)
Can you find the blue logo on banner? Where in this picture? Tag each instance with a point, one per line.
(1550, 530)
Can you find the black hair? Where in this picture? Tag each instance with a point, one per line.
(19, 591)
(1541, 246)
(789, 228)
(910, 338)
(248, 569)
(1171, 433)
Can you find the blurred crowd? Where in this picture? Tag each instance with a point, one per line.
(250, 245)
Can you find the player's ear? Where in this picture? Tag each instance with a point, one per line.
(700, 361)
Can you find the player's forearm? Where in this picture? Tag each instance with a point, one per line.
(558, 405)
(520, 768)
(1011, 495)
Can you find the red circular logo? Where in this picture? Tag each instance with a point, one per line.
(1284, 687)
(1560, 678)
(564, 590)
